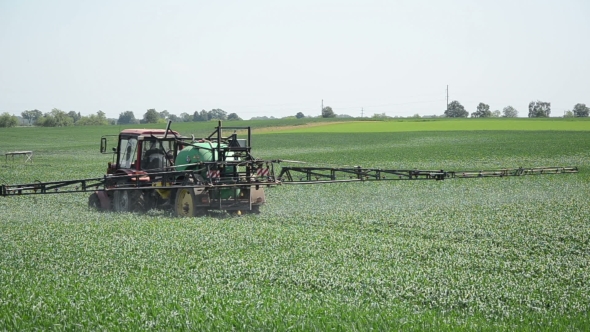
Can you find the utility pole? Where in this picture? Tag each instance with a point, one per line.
(362, 112)
(322, 111)
(447, 97)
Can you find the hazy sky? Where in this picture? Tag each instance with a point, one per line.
(263, 57)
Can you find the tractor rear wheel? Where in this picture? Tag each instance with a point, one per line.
(94, 202)
(185, 204)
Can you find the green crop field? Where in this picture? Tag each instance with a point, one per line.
(447, 125)
(460, 254)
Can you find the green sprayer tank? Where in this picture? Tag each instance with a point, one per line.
(199, 152)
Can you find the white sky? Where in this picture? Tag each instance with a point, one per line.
(265, 57)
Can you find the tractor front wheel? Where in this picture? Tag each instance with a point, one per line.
(128, 201)
(185, 204)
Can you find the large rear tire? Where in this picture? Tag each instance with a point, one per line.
(94, 202)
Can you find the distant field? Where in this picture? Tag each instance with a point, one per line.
(445, 125)
(466, 254)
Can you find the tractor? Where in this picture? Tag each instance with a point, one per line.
(160, 169)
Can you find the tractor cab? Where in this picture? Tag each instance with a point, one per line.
(143, 150)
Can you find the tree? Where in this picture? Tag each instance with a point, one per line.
(201, 116)
(539, 109)
(205, 116)
(496, 114)
(36, 115)
(75, 116)
(151, 116)
(483, 111)
(509, 112)
(568, 114)
(456, 110)
(580, 110)
(217, 114)
(126, 117)
(29, 116)
(234, 117)
(8, 120)
(379, 116)
(55, 118)
(99, 119)
(174, 118)
(102, 117)
(185, 117)
(327, 112)
(299, 115)
(164, 115)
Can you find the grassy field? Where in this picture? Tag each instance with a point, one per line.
(501, 124)
(470, 254)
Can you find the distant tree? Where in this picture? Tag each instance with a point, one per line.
(55, 118)
(456, 110)
(217, 114)
(36, 114)
(205, 116)
(185, 117)
(29, 116)
(8, 120)
(483, 111)
(201, 116)
(164, 115)
(299, 115)
(379, 116)
(46, 121)
(496, 114)
(509, 112)
(75, 116)
(580, 110)
(327, 112)
(417, 116)
(197, 116)
(539, 109)
(568, 114)
(126, 117)
(102, 118)
(151, 116)
(98, 119)
(234, 117)
(174, 118)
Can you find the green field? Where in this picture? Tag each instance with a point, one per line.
(448, 125)
(470, 254)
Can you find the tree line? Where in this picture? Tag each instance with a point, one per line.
(153, 116)
(537, 109)
(59, 118)
(55, 118)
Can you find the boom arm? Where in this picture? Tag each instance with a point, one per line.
(263, 174)
(310, 175)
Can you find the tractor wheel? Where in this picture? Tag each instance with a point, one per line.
(255, 209)
(122, 201)
(185, 204)
(94, 202)
(128, 201)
